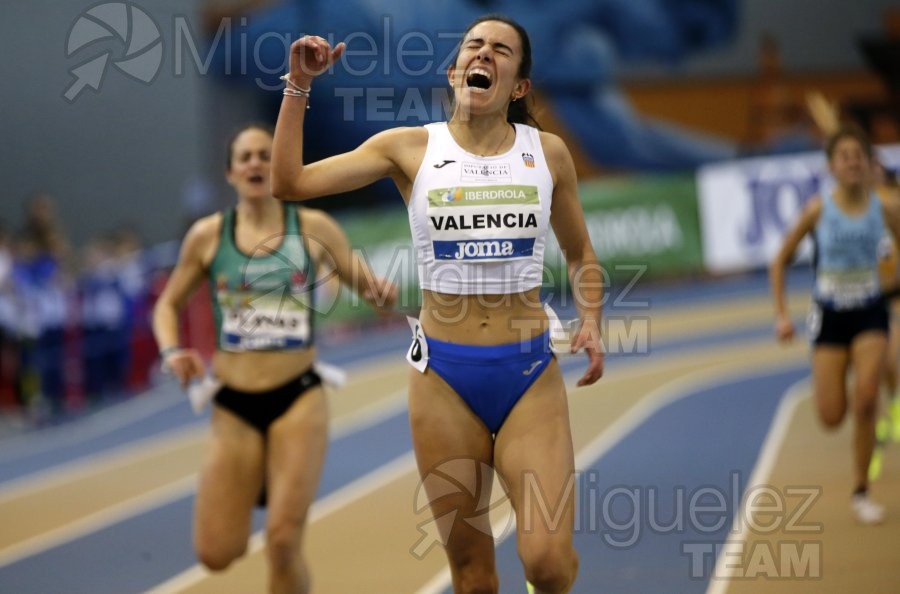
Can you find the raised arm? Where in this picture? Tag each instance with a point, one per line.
(186, 276)
(585, 275)
(330, 247)
(823, 112)
(784, 327)
(291, 178)
(890, 204)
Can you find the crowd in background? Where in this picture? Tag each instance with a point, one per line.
(74, 324)
(75, 320)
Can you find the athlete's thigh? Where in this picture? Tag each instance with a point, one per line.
(442, 424)
(454, 452)
(829, 369)
(894, 338)
(230, 480)
(867, 352)
(535, 459)
(296, 453)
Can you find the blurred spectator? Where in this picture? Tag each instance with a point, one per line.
(127, 251)
(9, 358)
(38, 272)
(6, 261)
(40, 287)
(884, 127)
(63, 335)
(881, 117)
(104, 320)
(43, 229)
(778, 121)
(134, 271)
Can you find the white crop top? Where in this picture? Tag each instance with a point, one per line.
(479, 223)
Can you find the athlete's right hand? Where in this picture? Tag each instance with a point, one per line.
(310, 56)
(784, 329)
(185, 364)
(589, 339)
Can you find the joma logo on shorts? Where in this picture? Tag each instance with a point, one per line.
(483, 249)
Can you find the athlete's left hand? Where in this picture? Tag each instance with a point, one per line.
(588, 338)
(381, 295)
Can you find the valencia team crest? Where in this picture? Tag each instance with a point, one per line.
(528, 159)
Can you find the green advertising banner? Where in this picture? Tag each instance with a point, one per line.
(650, 221)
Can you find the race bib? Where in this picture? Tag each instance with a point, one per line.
(417, 355)
(483, 223)
(847, 289)
(265, 323)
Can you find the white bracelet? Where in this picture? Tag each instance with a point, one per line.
(294, 90)
(297, 87)
(292, 93)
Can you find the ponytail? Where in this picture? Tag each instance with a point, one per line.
(519, 112)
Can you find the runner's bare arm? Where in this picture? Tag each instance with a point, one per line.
(585, 275)
(333, 249)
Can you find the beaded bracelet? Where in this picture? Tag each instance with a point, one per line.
(295, 86)
(294, 90)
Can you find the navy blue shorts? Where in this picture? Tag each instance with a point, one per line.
(490, 379)
(839, 328)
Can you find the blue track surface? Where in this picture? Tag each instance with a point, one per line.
(707, 438)
(628, 533)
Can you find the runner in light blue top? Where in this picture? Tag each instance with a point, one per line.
(848, 319)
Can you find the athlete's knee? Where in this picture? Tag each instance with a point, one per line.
(831, 417)
(866, 405)
(472, 575)
(218, 556)
(283, 545)
(478, 584)
(550, 567)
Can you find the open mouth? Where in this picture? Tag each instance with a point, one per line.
(479, 78)
(256, 179)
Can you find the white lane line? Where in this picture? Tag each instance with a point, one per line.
(357, 421)
(99, 520)
(718, 583)
(159, 444)
(654, 401)
(369, 415)
(103, 422)
(364, 418)
(134, 453)
(138, 407)
(322, 508)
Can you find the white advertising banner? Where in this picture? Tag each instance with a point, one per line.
(747, 206)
